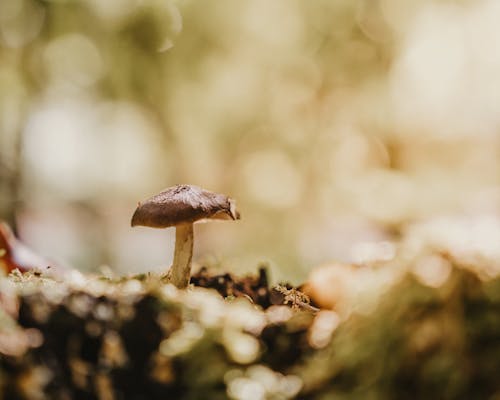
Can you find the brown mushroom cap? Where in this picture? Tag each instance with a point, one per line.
(183, 204)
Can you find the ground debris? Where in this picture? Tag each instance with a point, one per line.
(93, 338)
(255, 288)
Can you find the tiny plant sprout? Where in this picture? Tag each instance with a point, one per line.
(181, 206)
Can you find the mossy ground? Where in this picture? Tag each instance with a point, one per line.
(140, 338)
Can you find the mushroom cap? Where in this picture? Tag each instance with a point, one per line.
(183, 204)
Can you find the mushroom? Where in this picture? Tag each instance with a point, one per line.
(181, 206)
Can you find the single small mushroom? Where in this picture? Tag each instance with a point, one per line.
(181, 206)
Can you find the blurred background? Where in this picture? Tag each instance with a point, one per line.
(334, 124)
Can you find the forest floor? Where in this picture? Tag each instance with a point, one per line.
(233, 337)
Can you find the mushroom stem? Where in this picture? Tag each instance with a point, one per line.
(181, 267)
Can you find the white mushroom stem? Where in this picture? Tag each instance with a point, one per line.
(181, 267)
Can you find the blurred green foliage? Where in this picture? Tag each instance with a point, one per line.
(331, 123)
